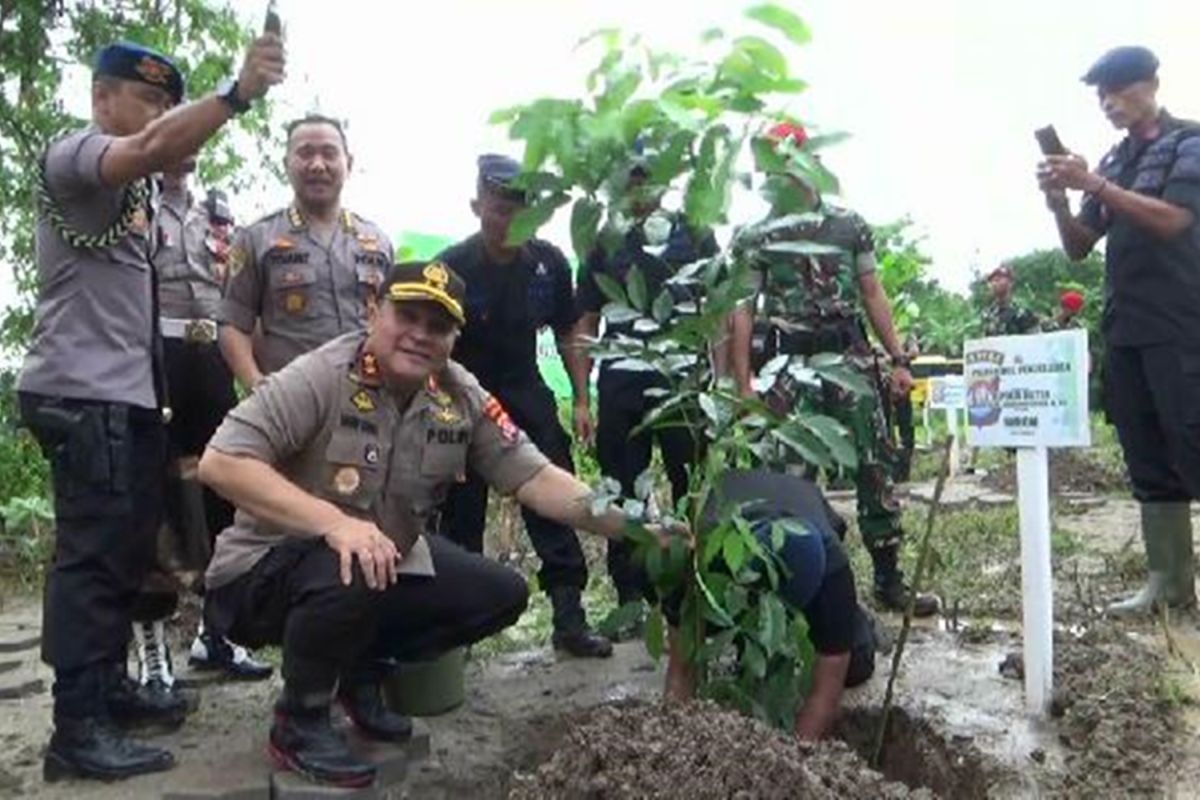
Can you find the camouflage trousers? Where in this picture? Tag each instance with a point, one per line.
(863, 416)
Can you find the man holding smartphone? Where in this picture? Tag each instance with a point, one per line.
(1145, 197)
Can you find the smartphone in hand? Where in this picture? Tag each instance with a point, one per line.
(1048, 141)
(273, 23)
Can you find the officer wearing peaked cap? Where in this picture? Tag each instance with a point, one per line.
(91, 389)
(512, 294)
(344, 458)
(1144, 197)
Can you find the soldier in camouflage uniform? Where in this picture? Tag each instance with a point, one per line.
(1003, 317)
(811, 304)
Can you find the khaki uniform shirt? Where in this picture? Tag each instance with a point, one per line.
(327, 424)
(93, 332)
(301, 292)
(188, 259)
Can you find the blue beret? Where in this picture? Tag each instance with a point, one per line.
(498, 170)
(133, 62)
(1122, 66)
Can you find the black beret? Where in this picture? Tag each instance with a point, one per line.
(1122, 66)
(217, 206)
(134, 62)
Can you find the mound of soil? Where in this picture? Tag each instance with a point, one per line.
(1070, 471)
(1120, 732)
(696, 751)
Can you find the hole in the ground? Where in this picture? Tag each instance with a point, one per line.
(916, 754)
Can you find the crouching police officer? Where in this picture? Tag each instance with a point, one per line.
(512, 293)
(91, 389)
(819, 584)
(338, 464)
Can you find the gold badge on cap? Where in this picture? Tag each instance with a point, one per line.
(437, 275)
(363, 401)
(153, 70)
(346, 481)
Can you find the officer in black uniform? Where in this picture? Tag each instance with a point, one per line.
(91, 388)
(512, 293)
(1145, 197)
(818, 584)
(658, 244)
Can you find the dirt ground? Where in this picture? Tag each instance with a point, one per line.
(1125, 719)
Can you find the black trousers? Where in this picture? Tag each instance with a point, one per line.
(201, 390)
(1152, 395)
(107, 461)
(906, 428)
(624, 455)
(294, 596)
(464, 515)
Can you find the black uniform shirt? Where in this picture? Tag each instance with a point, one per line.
(1152, 286)
(506, 306)
(682, 248)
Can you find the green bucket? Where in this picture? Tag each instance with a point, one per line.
(428, 688)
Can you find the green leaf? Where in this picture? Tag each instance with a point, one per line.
(611, 289)
(718, 645)
(664, 304)
(782, 20)
(620, 618)
(619, 314)
(712, 545)
(834, 436)
(636, 283)
(803, 248)
(655, 634)
(772, 623)
(527, 221)
(847, 378)
(754, 661)
(585, 222)
(806, 444)
(734, 552)
(712, 35)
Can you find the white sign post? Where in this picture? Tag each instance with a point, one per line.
(949, 393)
(1030, 392)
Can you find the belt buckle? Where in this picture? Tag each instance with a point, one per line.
(200, 331)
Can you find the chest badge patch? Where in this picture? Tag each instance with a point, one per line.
(446, 416)
(363, 401)
(346, 481)
(295, 302)
(371, 454)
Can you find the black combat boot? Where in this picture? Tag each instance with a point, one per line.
(303, 740)
(153, 707)
(571, 632)
(85, 742)
(890, 590)
(362, 700)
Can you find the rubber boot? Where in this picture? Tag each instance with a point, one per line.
(571, 632)
(890, 589)
(1167, 538)
(361, 697)
(303, 740)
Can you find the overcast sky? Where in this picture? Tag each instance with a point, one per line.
(941, 97)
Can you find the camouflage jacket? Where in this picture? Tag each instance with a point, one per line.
(810, 289)
(1009, 320)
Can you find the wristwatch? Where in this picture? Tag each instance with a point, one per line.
(227, 91)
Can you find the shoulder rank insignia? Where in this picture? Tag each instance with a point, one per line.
(493, 410)
(368, 368)
(363, 401)
(368, 243)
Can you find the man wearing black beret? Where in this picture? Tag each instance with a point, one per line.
(1144, 196)
(91, 389)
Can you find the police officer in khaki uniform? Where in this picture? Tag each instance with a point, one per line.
(343, 459)
(307, 273)
(91, 388)
(193, 244)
